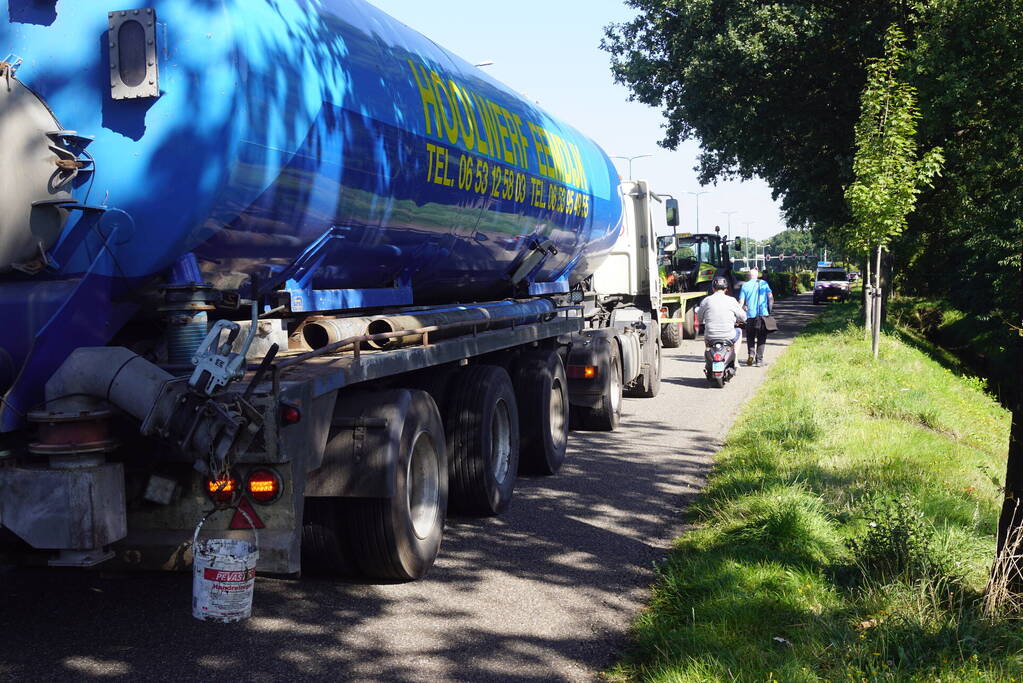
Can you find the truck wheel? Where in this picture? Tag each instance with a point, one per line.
(325, 548)
(481, 421)
(394, 538)
(649, 383)
(541, 388)
(689, 326)
(608, 415)
(671, 335)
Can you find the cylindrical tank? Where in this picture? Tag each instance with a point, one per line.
(278, 120)
(317, 140)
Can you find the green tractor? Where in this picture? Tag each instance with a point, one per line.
(688, 263)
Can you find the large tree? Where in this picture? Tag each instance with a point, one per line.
(769, 89)
(967, 233)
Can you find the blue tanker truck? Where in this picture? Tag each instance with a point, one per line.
(294, 261)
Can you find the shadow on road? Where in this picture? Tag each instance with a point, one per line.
(544, 592)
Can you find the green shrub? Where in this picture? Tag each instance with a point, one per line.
(898, 542)
(782, 284)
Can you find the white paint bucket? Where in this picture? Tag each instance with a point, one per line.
(223, 575)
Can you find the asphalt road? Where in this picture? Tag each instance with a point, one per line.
(545, 592)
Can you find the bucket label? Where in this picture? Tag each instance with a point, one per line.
(223, 576)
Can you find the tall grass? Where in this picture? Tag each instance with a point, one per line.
(847, 532)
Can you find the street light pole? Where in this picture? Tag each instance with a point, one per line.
(697, 195)
(747, 224)
(630, 159)
(729, 214)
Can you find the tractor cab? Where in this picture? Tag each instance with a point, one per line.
(688, 262)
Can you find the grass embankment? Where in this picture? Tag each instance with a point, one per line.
(979, 344)
(846, 533)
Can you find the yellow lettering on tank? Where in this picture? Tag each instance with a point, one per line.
(450, 128)
(429, 98)
(482, 136)
(432, 150)
(489, 125)
(523, 142)
(537, 186)
(513, 135)
(584, 182)
(559, 162)
(502, 128)
(534, 131)
(545, 142)
(468, 125)
(559, 157)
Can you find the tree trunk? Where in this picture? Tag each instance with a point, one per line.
(875, 333)
(1010, 524)
(868, 301)
(887, 275)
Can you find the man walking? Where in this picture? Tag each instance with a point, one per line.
(758, 300)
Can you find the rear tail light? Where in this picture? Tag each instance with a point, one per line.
(263, 486)
(290, 414)
(222, 490)
(717, 356)
(581, 371)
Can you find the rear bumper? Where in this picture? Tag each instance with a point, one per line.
(160, 536)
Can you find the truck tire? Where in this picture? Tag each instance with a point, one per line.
(325, 548)
(689, 326)
(608, 415)
(649, 383)
(541, 389)
(396, 538)
(481, 421)
(671, 335)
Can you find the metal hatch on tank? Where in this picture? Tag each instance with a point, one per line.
(324, 149)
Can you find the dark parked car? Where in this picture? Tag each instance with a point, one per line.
(830, 284)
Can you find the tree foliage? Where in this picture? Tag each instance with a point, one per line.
(966, 236)
(888, 172)
(771, 89)
(792, 242)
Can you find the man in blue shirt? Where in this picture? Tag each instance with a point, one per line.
(758, 300)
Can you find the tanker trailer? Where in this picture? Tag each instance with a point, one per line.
(296, 262)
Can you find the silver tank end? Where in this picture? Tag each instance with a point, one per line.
(28, 175)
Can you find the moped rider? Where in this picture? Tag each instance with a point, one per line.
(719, 314)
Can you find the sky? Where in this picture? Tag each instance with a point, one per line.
(549, 50)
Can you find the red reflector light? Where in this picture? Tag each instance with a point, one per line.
(581, 371)
(290, 414)
(245, 517)
(718, 374)
(222, 490)
(264, 486)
